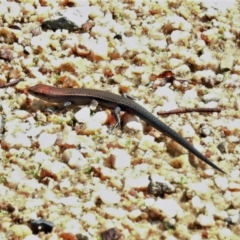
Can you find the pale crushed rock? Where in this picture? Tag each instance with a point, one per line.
(105, 171)
(197, 203)
(33, 203)
(188, 54)
(90, 219)
(140, 183)
(109, 197)
(180, 36)
(74, 158)
(22, 114)
(15, 177)
(30, 184)
(32, 237)
(236, 199)
(117, 213)
(40, 157)
(70, 201)
(17, 140)
(133, 126)
(100, 116)
(205, 221)
(83, 115)
(203, 74)
(232, 186)
(221, 183)
(167, 208)
(20, 231)
(135, 214)
(55, 168)
(225, 233)
(120, 158)
(91, 127)
(177, 23)
(46, 140)
(187, 131)
(234, 215)
(201, 189)
(165, 92)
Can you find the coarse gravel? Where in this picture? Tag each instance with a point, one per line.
(65, 171)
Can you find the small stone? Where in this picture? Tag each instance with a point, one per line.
(54, 170)
(42, 225)
(21, 231)
(120, 158)
(140, 183)
(221, 183)
(168, 208)
(91, 127)
(83, 115)
(100, 116)
(46, 140)
(19, 140)
(32, 237)
(197, 204)
(90, 219)
(201, 189)
(21, 114)
(226, 63)
(232, 186)
(146, 142)
(181, 161)
(118, 213)
(180, 36)
(210, 97)
(134, 214)
(111, 234)
(187, 131)
(176, 23)
(71, 19)
(165, 92)
(109, 197)
(224, 233)
(205, 221)
(70, 201)
(74, 158)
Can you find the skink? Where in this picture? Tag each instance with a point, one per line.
(83, 96)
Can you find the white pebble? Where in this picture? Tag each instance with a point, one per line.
(224, 233)
(197, 203)
(100, 116)
(135, 214)
(91, 127)
(176, 22)
(46, 140)
(109, 197)
(19, 140)
(74, 158)
(90, 219)
(221, 183)
(83, 115)
(168, 208)
(21, 114)
(32, 237)
(205, 221)
(187, 131)
(120, 158)
(70, 201)
(115, 212)
(140, 183)
(180, 36)
(165, 92)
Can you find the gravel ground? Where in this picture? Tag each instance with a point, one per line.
(63, 176)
